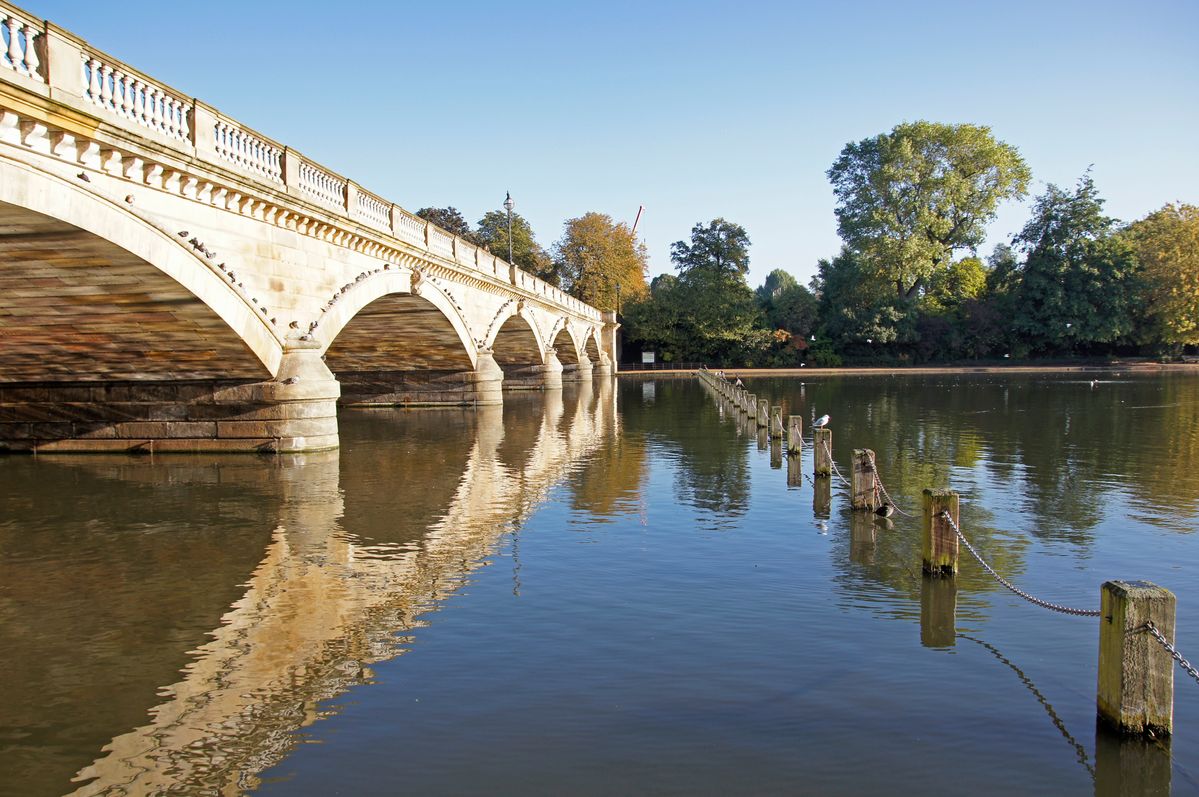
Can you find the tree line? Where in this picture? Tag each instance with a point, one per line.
(908, 285)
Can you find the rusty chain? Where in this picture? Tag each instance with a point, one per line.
(1173, 651)
(1030, 598)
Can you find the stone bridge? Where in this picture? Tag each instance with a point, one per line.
(171, 280)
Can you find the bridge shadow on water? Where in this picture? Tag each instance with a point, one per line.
(169, 623)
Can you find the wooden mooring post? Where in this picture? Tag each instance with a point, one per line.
(776, 423)
(939, 549)
(794, 434)
(1136, 673)
(751, 405)
(864, 480)
(822, 443)
(763, 412)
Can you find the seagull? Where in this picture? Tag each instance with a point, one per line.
(821, 422)
(1094, 383)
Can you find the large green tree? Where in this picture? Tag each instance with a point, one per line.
(529, 255)
(859, 312)
(719, 248)
(1166, 243)
(708, 313)
(596, 257)
(908, 199)
(1078, 281)
(448, 219)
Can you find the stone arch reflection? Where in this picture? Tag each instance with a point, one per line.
(334, 586)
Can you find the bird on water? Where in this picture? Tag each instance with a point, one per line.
(886, 510)
(821, 422)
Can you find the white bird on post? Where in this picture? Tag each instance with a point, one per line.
(820, 422)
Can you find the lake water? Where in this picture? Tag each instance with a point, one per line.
(609, 590)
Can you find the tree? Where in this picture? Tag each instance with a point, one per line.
(492, 232)
(595, 255)
(448, 219)
(708, 312)
(1166, 243)
(857, 308)
(1078, 281)
(788, 305)
(908, 199)
(721, 248)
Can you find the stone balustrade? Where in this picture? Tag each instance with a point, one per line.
(55, 63)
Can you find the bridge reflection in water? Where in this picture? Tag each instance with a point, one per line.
(324, 602)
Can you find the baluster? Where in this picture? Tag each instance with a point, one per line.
(184, 127)
(93, 80)
(220, 133)
(14, 44)
(133, 91)
(125, 106)
(173, 117)
(31, 62)
(152, 118)
(108, 88)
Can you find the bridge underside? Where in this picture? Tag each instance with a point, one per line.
(76, 307)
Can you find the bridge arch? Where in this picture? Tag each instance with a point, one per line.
(516, 338)
(382, 323)
(176, 317)
(591, 344)
(569, 351)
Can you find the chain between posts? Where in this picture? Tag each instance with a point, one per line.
(879, 481)
(833, 463)
(1030, 598)
(1173, 651)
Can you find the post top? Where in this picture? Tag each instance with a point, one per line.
(1137, 589)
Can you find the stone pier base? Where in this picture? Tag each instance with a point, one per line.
(296, 411)
(425, 388)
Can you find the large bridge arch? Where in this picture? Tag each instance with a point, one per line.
(401, 328)
(164, 299)
(516, 338)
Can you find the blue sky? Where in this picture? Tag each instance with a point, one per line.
(695, 110)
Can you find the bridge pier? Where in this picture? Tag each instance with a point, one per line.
(425, 388)
(538, 376)
(577, 372)
(604, 366)
(295, 411)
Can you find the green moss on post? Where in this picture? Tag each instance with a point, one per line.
(1136, 674)
(794, 433)
(822, 444)
(939, 549)
(864, 480)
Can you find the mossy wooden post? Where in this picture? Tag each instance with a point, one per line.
(940, 547)
(751, 405)
(764, 412)
(794, 433)
(822, 443)
(864, 480)
(776, 423)
(1136, 674)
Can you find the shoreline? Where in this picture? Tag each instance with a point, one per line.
(1142, 367)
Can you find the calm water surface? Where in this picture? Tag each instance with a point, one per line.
(610, 590)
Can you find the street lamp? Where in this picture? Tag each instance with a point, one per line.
(618, 298)
(508, 205)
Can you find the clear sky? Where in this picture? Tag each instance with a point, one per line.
(694, 109)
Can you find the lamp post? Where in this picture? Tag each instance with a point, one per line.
(618, 298)
(508, 205)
